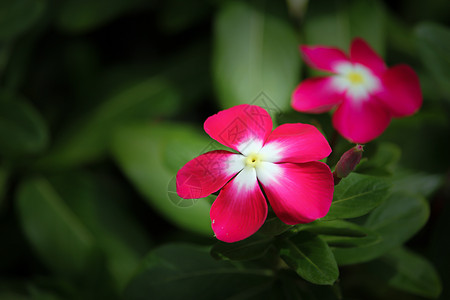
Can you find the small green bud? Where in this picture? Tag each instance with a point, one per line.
(347, 163)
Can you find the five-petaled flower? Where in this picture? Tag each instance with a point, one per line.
(364, 91)
(283, 163)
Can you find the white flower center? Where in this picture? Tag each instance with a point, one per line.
(255, 162)
(356, 80)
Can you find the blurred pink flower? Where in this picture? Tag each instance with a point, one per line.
(282, 162)
(365, 93)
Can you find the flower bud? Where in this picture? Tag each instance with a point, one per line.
(347, 163)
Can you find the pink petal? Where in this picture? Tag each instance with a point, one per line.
(361, 121)
(316, 95)
(361, 52)
(323, 58)
(298, 193)
(240, 209)
(207, 173)
(402, 94)
(295, 143)
(240, 125)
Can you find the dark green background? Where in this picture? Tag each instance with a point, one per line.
(102, 101)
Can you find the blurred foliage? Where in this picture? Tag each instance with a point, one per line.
(254, 52)
(101, 102)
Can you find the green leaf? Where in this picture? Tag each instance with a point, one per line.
(251, 248)
(372, 238)
(419, 183)
(433, 43)
(273, 226)
(339, 22)
(356, 195)
(22, 129)
(310, 257)
(60, 239)
(413, 273)
(255, 57)
(341, 233)
(336, 227)
(396, 221)
(16, 16)
(84, 15)
(88, 139)
(179, 271)
(100, 204)
(150, 156)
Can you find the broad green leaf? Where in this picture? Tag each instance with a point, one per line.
(16, 16)
(433, 43)
(310, 257)
(337, 23)
(255, 57)
(100, 205)
(356, 195)
(416, 182)
(341, 233)
(396, 221)
(178, 271)
(22, 129)
(150, 156)
(372, 238)
(336, 227)
(57, 235)
(413, 273)
(251, 248)
(273, 226)
(89, 138)
(84, 15)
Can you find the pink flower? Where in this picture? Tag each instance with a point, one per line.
(282, 163)
(365, 93)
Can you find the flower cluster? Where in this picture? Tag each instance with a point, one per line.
(283, 164)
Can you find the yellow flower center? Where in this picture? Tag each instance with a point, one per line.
(355, 78)
(253, 160)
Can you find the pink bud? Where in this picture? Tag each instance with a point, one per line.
(347, 163)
